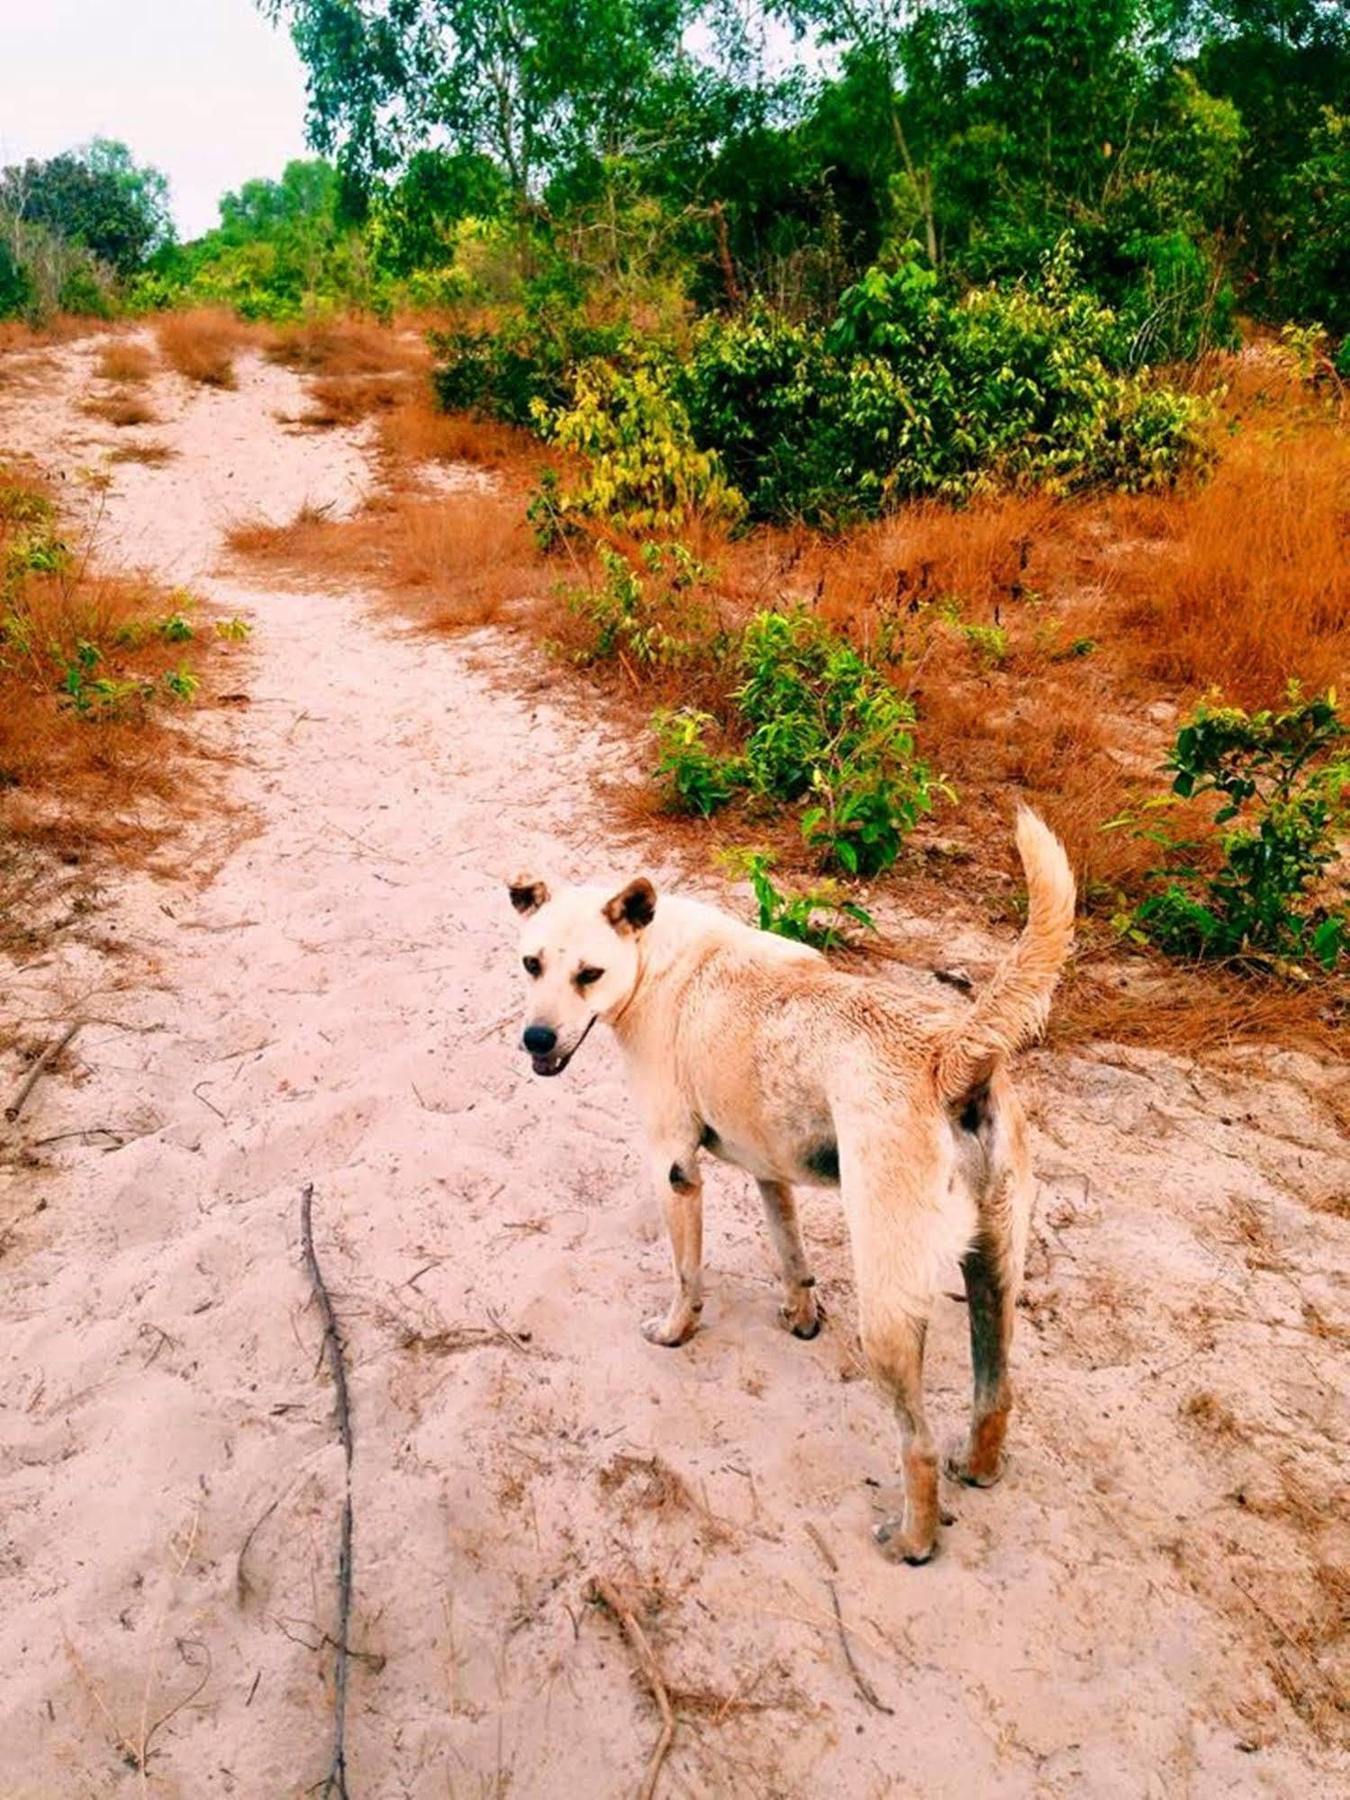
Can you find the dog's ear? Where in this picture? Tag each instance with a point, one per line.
(633, 907)
(528, 893)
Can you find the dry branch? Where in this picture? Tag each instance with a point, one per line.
(601, 1591)
(336, 1780)
(860, 1681)
(35, 1074)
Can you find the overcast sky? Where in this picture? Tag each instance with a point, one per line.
(206, 90)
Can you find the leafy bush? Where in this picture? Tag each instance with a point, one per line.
(529, 361)
(818, 916)
(909, 392)
(912, 393)
(1254, 889)
(644, 471)
(820, 722)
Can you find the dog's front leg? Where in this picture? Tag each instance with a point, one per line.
(681, 1187)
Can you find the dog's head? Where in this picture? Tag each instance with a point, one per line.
(579, 951)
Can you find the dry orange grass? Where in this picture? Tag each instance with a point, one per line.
(1247, 581)
(457, 560)
(347, 399)
(417, 431)
(61, 328)
(344, 345)
(120, 409)
(153, 455)
(80, 760)
(120, 360)
(202, 344)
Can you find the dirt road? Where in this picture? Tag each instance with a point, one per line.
(1151, 1604)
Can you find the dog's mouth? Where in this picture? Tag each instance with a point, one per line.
(557, 1060)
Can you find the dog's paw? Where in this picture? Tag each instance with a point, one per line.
(670, 1335)
(960, 1465)
(898, 1545)
(802, 1321)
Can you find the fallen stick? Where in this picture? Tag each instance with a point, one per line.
(35, 1074)
(860, 1681)
(336, 1779)
(602, 1591)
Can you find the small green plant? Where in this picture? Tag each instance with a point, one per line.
(1254, 890)
(23, 505)
(37, 552)
(173, 628)
(697, 779)
(647, 617)
(989, 642)
(824, 721)
(818, 916)
(181, 683)
(235, 630)
(99, 698)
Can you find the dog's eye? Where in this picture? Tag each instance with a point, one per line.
(533, 966)
(588, 977)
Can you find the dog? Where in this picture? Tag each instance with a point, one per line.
(756, 1050)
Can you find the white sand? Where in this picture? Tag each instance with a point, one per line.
(1123, 1616)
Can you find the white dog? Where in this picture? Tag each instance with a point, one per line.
(755, 1049)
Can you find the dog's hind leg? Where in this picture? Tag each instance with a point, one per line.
(894, 1348)
(800, 1311)
(676, 1173)
(992, 1268)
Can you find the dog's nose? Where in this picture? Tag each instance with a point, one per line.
(539, 1040)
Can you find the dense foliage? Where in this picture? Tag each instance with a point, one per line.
(71, 228)
(1195, 149)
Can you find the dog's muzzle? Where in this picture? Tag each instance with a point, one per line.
(542, 1043)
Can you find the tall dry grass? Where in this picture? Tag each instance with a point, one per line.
(122, 360)
(1244, 584)
(119, 408)
(202, 344)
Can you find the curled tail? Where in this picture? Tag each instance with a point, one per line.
(1012, 1008)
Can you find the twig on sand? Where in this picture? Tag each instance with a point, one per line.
(336, 1779)
(35, 1074)
(860, 1681)
(601, 1591)
(518, 1340)
(831, 1560)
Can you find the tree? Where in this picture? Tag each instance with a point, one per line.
(532, 84)
(98, 198)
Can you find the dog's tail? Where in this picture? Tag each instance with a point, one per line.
(1012, 1009)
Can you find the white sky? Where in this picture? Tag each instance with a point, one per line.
(206, 90)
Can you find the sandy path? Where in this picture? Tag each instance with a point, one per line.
(1127, 1615)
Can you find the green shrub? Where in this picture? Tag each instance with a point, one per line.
(644, 471)
(1254, 889)
(529, 361)
(912, 393)
(819, 722)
